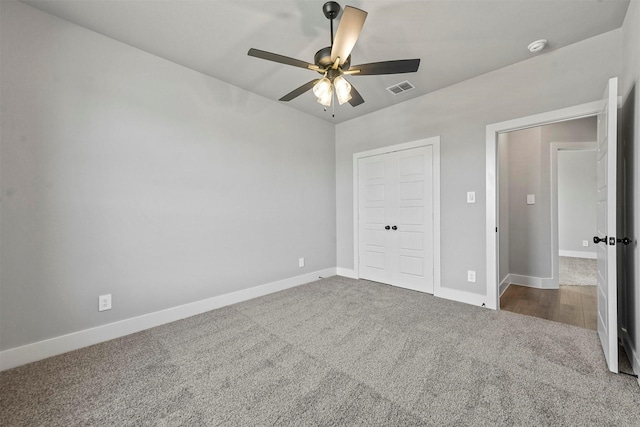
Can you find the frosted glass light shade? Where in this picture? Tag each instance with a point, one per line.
(343, 89)
(326, 98)
(323, 90)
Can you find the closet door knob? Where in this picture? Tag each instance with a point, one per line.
(597, 239)
(394, 228)
(387, 227)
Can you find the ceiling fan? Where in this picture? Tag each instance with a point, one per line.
(334, 62)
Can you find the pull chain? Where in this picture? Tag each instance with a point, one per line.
(333, 105)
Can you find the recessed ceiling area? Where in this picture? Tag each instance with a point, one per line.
(455, 40)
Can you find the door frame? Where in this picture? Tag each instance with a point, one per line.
(492, 131)
(555, 231)
(435, 143)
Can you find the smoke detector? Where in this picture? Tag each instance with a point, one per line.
(537, 45)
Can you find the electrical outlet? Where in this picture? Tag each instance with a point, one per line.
(104, 302)
(585, 243)
(531, 199)
(300, 262)
(471, 276)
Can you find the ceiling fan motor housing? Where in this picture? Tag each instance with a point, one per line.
(322, 59)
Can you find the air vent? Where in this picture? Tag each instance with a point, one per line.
(400, 87)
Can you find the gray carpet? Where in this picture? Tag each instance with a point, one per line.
(578, 271)
(334, 352)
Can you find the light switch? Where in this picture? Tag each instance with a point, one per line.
(531, 199)
(471, 196)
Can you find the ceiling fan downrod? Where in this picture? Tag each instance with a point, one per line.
(322, 58)
(331, 9)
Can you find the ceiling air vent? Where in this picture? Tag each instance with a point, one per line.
(400, 87)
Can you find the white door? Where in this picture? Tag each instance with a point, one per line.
(606, 225)
(396, 218)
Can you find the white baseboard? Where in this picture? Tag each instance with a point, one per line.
(346, 272)
(438, 291)
(51, 347)
(579, 254)
(462, 296)
(634, 357)
(504, 285)
(531, 281)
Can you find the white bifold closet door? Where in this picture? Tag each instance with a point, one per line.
(396, 225)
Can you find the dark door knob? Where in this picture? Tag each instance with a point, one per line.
(597, 240)
(387, 227)
(394, 228)
(624, 241)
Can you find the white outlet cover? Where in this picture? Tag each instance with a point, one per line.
(585, 243)
(300, 262)
(471, 276)
(104, 302)
(531, 199)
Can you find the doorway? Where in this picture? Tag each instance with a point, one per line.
(547, 203)
(576, 221)
(606, 110)
(493, 133)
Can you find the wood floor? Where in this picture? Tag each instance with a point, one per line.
(573, 305)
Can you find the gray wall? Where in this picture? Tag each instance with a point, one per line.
(577, 198)
(127, 174)
(529, 172)
(459, 114)
(630, 136)
(529, 225)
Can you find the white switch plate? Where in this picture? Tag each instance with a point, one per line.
(531, 199)
(300, 262)
(471, 276)
(471, 196)
(104, 302)
(585, 243)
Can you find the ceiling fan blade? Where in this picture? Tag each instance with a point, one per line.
(347, 34)
(281, 59)
(299, 91)
(356, 98)
(386, 67)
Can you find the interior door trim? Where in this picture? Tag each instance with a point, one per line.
(492, 131)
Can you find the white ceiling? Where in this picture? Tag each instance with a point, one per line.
(456, 40)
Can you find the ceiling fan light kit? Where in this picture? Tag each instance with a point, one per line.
(334, 61)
